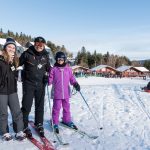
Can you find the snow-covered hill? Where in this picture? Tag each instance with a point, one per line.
(120, 108)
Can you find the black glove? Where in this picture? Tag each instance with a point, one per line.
(45, 79)
(76, 86)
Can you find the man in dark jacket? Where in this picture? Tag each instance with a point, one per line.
(35, 76)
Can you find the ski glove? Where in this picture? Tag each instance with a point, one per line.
(76, 86)
(45, 79)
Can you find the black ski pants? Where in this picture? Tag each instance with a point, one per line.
(37, 93)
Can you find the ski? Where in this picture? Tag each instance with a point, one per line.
(83, 133)
(58, 136)
(60, 140)
(48, 145)
(37, 143)
(34, 141)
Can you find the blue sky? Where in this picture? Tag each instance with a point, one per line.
(119, 26)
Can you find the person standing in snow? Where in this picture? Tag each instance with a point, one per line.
(60, 76)
(35, 76)
(8, 92)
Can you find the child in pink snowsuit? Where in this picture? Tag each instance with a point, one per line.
(60, 77)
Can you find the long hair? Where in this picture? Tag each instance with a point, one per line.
(15, 60)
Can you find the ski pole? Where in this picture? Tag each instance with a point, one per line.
(49, 102)
(90, 110)
(51, 121)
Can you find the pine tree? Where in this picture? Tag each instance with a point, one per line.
(147, 64)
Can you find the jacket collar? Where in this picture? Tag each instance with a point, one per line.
(32, 51)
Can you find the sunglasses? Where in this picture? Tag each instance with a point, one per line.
(60, 59)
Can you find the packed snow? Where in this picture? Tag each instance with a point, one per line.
(118, 105)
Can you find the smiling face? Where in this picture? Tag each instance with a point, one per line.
(39, 46)
(11, 49)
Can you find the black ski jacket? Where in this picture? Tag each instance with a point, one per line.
(36, 66)
(8, 81)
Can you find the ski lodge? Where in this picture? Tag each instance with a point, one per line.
(130, 71)
(105, 70)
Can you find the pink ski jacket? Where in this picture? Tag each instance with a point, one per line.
(61, 78)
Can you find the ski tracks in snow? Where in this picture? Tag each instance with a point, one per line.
(121, 112)
(137, 125)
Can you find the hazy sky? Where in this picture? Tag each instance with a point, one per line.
(118, 26)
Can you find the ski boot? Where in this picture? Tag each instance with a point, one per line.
(7, 137)
(71, 125)
(40, 129)
(56, 129)
(28, 132)
(20, 136)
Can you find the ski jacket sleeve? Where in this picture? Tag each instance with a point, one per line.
(22, 59)
(47, 70)
(51, 76)
(3, 70)
(0, 75)
(72, 78)
(48, 66)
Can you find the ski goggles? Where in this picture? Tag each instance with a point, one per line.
(60, 59)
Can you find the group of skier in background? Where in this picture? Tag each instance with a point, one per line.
(37, 73)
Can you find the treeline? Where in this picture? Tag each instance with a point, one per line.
(22, 39)
(83, 58)
(147, 64)
(56, 48)
(88, 59)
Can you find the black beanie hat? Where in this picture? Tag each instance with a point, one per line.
(9, 41)
(40, 39)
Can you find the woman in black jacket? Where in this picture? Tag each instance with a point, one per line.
(8, 92)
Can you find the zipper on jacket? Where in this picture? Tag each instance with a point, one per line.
(62, 76)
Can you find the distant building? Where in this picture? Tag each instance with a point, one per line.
(20, 49)
(80, 71)
(51, 56)
(105, 70)
(130, 71)
(143, 71)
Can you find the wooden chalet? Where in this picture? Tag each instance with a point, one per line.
(130, 71)
(104, 70)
